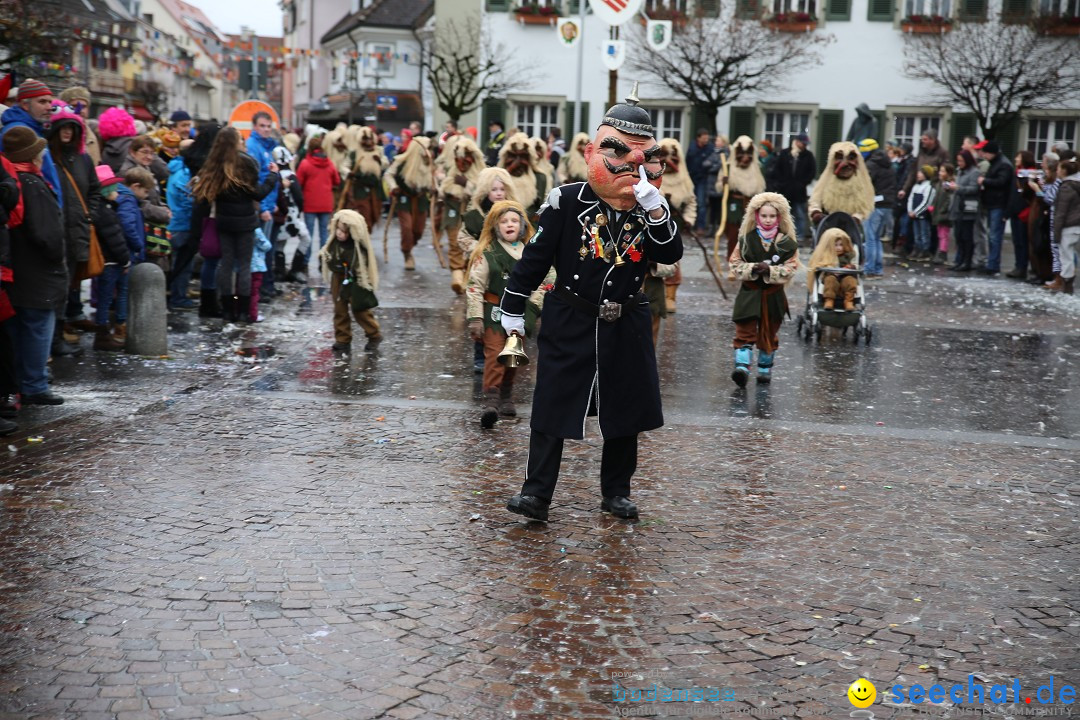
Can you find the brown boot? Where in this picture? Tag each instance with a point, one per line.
(119, 331)
(457, 281)
(1068, 289)
(491, 408)
(830, 303)
(104, 340)
(1056, 285)
(84, 325)
(669, 297)
(410, 264)
(849, 300)
(70, 336)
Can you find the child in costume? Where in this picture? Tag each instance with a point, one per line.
(349, 267)
(834, 250)
(765, 259)
(502, 240)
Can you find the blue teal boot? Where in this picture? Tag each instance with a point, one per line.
(743, 357)
(764, 366)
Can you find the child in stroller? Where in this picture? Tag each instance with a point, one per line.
(834, 250)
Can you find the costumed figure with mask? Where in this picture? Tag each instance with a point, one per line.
(663, 280)
(464, 163)
(844, 185)
(411, 184)
(518, 157)
(744, 180)
(289, 217)
(363, 185)
(595, 355)
(765, 260)
(543, 164)
(572, 166)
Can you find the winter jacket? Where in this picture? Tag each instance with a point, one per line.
(700, 161)
(111, 236)
(178, 196)
(883, 177)
(73, 158)
(152, 208)
(262, 150)
(129, 213)
(37, 249)
(236, 209)
(318, 177)
(921, 198)
(116, 152)
(792, 173)
(936, 157)
(967, 188)
(258, 255)
(9, 198)
(1067, 206)
(15, 116)
(998, 183)
(942, 207)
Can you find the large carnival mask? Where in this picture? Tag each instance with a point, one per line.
(518, 160)
(464, 162)
(614, 158)
(669, 156)
(845, 165)
(367, 141)
(744, 155)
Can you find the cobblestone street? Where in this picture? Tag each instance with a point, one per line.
(251, 528)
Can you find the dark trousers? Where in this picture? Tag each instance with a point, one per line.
(236, 251)
(965, 241)
(617, 465)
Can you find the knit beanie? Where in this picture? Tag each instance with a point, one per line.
(179, 116)
(21, 144)
(928, 172)
(116, 122)
(31, 89)
(868, 145)
(75, 94)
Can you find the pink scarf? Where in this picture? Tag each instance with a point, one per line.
(766, 233)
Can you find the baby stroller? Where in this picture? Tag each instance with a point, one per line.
(816, 317)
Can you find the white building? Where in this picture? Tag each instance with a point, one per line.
(864, 65)
(306, 77)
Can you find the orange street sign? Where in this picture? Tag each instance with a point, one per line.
(242, 114)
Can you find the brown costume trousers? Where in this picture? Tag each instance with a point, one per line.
(369, 207)
(837, 286)
(496, 375)
(342, 325)
(412, 224)
(457, 255)
(760, 331)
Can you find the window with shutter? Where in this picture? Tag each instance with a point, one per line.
(882, 129)
(973, 10)
(711, 8)
(703, 118)
(881, 10)
(580, 123)
(497, 5)
(838, 10)
(742, 122)
(1007, 135)
(830, 129)
(746, 9)
(962, 124)
(1015, 11)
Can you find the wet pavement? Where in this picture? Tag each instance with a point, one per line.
(251, 527)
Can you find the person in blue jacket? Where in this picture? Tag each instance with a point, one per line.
(178, 198)
(260, 145)
(33, 111)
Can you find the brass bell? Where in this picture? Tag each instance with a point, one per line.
(512, 354)
(619, 262)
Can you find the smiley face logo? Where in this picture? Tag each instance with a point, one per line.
(862, 693)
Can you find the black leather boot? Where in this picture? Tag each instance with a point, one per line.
(208, 304)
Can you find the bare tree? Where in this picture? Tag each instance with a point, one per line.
(712, 62)
(994, 69)
(153, 95)
(466, 66)
(34, 29)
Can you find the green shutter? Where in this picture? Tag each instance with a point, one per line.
(881, 10)
(497, 5)
(744, 9)
(742, 122)
(701, 118)
(1007, 135)
(569, 121)
(973, 9)
(962, 124)
(882, 130)
(1015, 11)
(830, 129)
(493, 109)
(838, 9)
(711, 8)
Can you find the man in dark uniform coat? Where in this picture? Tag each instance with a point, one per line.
(596, 355)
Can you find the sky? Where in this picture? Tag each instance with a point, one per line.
(264, 16)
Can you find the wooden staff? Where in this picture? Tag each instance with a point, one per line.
(435, 241)
(705, 254)
(345, 192)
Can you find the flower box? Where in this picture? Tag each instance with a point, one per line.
(925, 24)
(791, 22)
(1057, 25)
(527, 19)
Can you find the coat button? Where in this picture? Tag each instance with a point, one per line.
(576, 277)
(637, 279)
(609, 283)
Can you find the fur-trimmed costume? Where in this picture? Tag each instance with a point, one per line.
(464, 161)
(826, 256)
(479, 205)
(678, 188)
(410, 178)
(518, 157)
(572, 166)
(761, 303)
(364, 183)
(744, 180)
(540, 147)
(352, 260)
(844, 185)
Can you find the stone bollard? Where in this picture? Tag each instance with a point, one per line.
(147, 314)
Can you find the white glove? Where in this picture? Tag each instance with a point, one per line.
(513, 324)
(647, 195)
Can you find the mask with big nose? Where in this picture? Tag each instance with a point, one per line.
(845, 166)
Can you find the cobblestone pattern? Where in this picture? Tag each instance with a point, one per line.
(230, 554)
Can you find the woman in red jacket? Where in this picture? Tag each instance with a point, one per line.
(318, 177)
